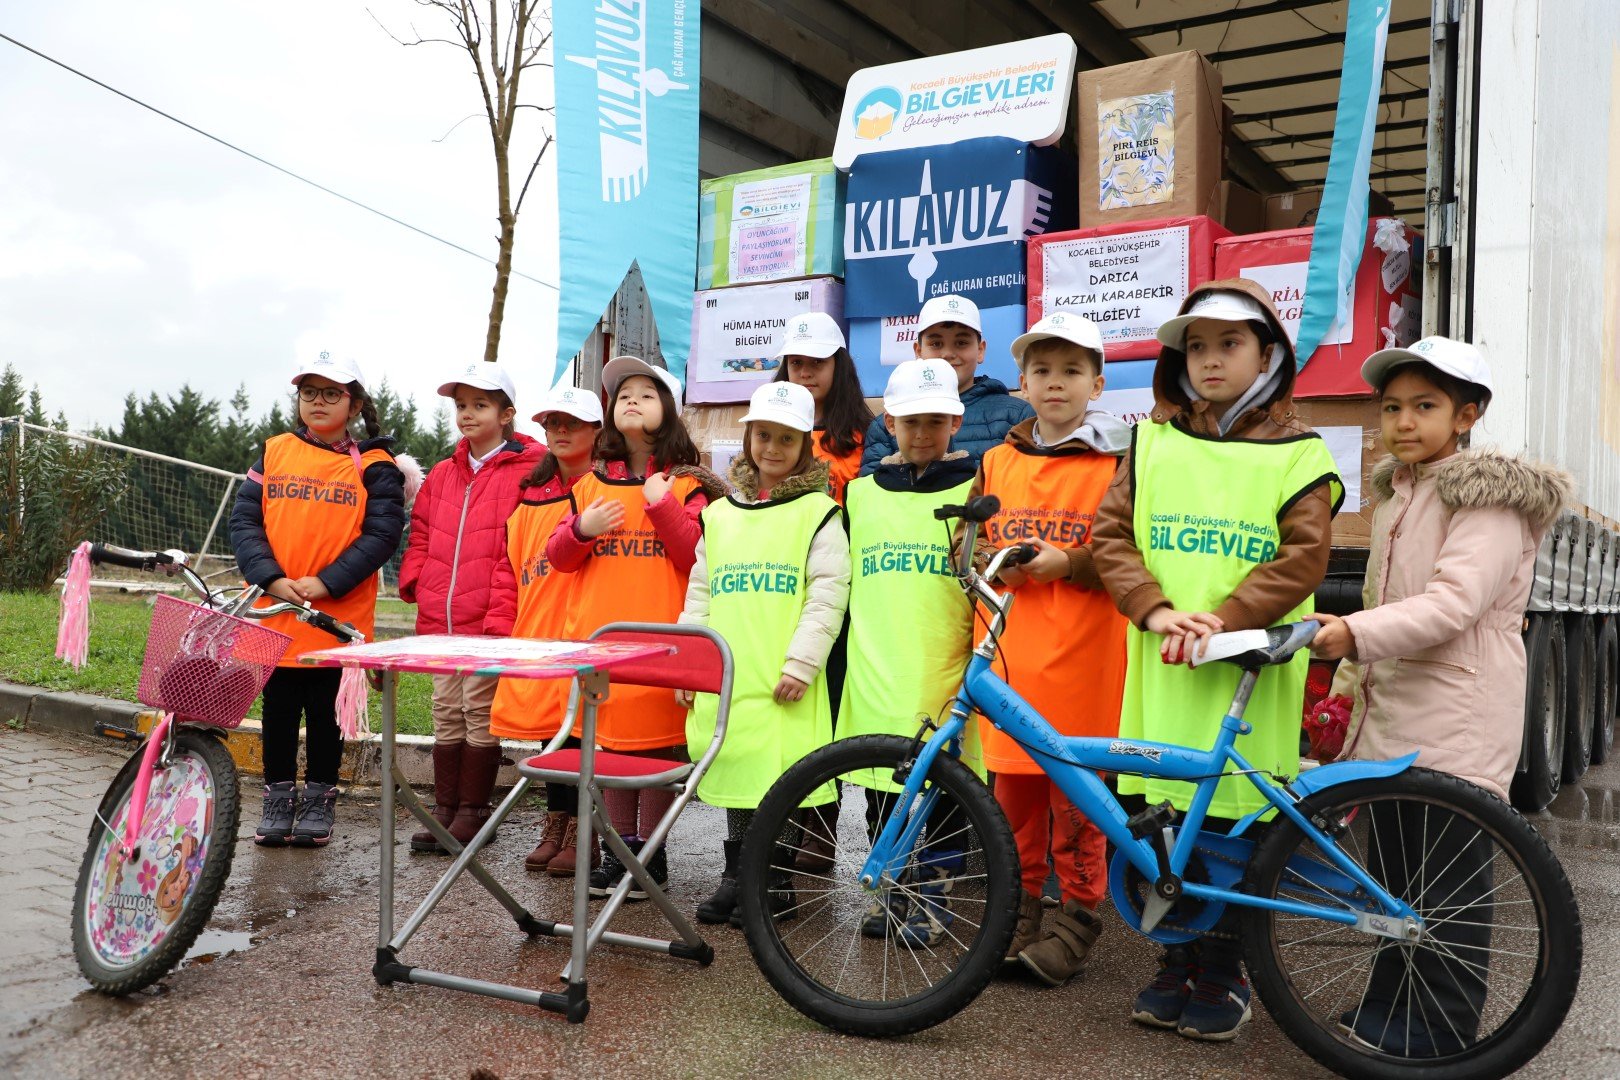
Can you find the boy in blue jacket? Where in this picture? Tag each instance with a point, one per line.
(949, 329)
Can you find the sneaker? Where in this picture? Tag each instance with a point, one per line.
(1219, 1006)
(930, 919)
(1160, 1004)
(886, 913)
(605, 878)
(1061, 953)
(317, 813)
(276, 825)
(1027, 931)
(657, 868)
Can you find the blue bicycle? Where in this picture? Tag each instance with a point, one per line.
(1395, 921)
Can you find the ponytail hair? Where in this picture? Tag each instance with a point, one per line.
(368, 410)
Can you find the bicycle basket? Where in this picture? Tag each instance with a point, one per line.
(205, 666)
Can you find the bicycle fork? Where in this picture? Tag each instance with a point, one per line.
(135, 815)
(901, 829)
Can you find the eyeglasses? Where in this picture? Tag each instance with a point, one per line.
(331, 395)
(561, 422)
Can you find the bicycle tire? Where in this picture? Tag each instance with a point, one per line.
(216, 842)
(1527, 1023)
(981, 958)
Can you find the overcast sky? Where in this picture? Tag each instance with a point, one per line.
(136, 255)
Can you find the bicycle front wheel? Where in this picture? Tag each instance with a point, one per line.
(134, 919)
(1484, 987)
(900, 957)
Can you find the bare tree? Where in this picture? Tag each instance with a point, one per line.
(503, 39)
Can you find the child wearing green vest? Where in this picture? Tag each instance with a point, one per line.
(1220, 520)
(910, 624)
(772, 576)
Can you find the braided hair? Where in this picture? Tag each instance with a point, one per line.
(368, 410)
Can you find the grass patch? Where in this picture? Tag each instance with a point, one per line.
(118, 624)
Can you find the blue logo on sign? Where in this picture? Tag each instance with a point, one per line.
(876, 112)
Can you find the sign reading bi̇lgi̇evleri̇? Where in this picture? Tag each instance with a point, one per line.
(1019, 90)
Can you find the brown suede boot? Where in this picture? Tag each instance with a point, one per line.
(1059, 956)
(1028, 931)
(479, 764)
(817, 848)
(566, 861)
(551, 842)
(446, 794)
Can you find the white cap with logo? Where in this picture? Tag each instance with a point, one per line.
(1060, 325)
(480, 375)
(1218, 304)
(815, 333)
(917, 387)
(575, 402)
(785, 403)
(328, 367)
(1458, 359)
(950, 309)
(620, 368)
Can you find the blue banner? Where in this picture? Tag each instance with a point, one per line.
(1341, 223)
(626, 76)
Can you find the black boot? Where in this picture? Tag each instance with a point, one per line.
(722, 905)
(782, 901)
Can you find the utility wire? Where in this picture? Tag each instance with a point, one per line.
(263, 161)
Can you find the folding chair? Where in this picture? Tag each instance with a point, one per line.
(700, 662)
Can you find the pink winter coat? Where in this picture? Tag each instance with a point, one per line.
(1440, 665)
(458, 531)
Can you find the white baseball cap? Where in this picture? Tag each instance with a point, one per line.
(1456, 358)
(956, 309)
(481, 375)
(922, 386)
(815, 333)
(329, 367)
(573, 401)
(785, 403)
(1061, 325)
(620, 368)
(1218, 304)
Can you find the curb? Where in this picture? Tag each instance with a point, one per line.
(71, 713)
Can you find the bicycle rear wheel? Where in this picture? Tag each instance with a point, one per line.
(134, 919)
(1489, 982)
(842, 955)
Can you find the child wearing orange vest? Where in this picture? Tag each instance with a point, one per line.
(318, 516)
(1051, 474)
(815, 356)
(632, 546)
(528, 600)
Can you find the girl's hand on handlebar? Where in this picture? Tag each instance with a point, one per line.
(1334, 641)
(1049, 564)
(286, 589)
(1182, 631)
(312, 588)
(603, 515)
(788, 689)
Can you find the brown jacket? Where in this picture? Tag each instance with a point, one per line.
(1273, 588)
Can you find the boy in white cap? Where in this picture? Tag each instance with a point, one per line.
(1220, 520)
(949, 329)
(1064, 642)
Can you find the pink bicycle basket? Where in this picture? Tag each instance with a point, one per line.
(204, 666)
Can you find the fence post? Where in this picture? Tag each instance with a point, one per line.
(230, 486)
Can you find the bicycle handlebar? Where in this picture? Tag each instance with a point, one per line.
(976, 511)
(133, 560)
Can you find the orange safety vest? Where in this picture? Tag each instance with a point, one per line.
(533, 708)
(629, 578)
(1064, 645)
(842, 468)
(314, 505)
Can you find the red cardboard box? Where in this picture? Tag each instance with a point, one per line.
(1127, 278)
(1386, 297)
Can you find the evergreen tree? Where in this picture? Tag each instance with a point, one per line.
(11, 392)
(36, 408)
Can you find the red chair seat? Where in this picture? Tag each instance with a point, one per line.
(612, 770)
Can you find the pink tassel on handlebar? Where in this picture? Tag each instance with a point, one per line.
(351, 704)
(73, 631)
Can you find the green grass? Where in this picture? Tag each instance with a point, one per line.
(118, 625)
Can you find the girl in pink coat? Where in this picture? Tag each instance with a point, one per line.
(458, 535)
(1435, 662)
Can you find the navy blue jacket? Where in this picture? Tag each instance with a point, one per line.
(988, 413)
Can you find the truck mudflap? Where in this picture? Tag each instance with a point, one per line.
(1326, 776)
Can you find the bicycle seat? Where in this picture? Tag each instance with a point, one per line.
(1250, 649)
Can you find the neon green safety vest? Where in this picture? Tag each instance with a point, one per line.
(1206, 516)
(758, 556)
(910, 623)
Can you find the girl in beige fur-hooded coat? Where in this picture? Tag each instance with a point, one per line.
(1440, 663)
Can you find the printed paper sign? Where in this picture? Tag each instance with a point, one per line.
(769, 228)
(897, 337)
(1287, 284)
(722, 452)
(1344, 443)
(1127, 284)
(1136, 150)
(737, 331)
(1131, 405)
(1019, 90)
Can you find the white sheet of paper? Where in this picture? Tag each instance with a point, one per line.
(1345, 444)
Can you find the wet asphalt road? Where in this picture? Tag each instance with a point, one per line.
(298, 998)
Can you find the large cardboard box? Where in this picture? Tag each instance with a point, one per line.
(1297, 209)
(736, 333)
(771, 225)
(1150, 136)
(1351, 429)
(1127, 278)
(1240, 209)
(1384, 297)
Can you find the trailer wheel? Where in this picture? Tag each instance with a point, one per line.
(1544, 699)
(1608, 657)
(1580, 694)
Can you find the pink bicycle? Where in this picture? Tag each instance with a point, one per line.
(164, 834)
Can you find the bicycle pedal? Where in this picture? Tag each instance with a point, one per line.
(1149, 822)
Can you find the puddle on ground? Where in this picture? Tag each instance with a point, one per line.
(213, 944)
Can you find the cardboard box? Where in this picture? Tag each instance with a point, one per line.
(1385, 296)
(1150, 137)
(715, 429)
(1351, 428)
(771, 225)
(1297, 209)
(1126, 278)
(1238, 208)
(736, 333)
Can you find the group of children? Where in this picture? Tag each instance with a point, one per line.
(1212, 515)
